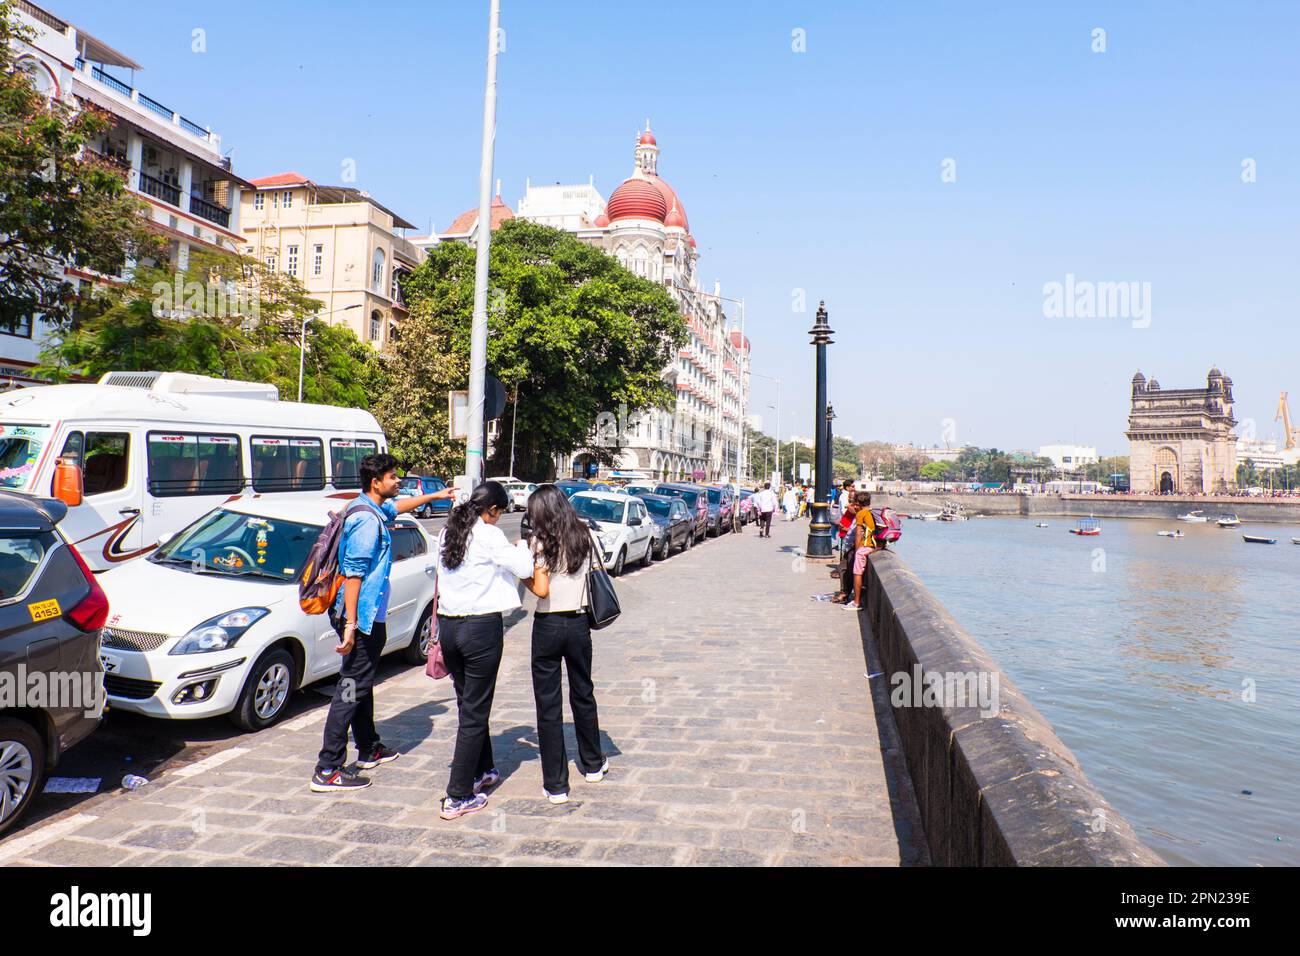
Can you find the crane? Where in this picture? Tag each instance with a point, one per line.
(1291, 435)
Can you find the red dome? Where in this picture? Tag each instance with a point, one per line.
(670, 198)
(692, 242)
(637, 199)
(602, 221)
(647, 139)
(675, 217)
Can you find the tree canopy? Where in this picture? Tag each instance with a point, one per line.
(572, 334)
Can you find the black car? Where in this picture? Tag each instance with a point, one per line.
(674, 529)
(696, 499)
(51, 613)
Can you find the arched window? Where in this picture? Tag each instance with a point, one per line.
(377, 273)
(376, 323)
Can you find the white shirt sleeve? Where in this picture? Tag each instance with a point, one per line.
(518, 560)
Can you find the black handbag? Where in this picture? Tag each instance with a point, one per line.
(602, 601)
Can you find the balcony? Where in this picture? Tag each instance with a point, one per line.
(210, 211)
(159, 189)
(165, 112)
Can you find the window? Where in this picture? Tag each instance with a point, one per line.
(271, 261)
(288, 200)
(317, 258)
(275, 200)
(259, 201)
(21, 327)
(377, 273)
(345, 460)
(376, 324)
(103, 458)
(291, 261)
(287, 463)
(408, 541)
(189, 464)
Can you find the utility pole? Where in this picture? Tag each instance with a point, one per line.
(479, 329)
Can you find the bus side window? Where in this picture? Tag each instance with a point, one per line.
(106, 461)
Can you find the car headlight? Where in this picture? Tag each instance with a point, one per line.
(220, 632)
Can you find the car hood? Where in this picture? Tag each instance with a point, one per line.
(143, 596)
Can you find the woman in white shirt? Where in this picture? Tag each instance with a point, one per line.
(478, 575)
(562, 547)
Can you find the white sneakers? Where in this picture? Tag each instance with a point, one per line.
(557, 797)
(599, 775)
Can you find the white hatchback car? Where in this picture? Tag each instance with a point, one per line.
(623, 526)
(209, 624)
(520, 492)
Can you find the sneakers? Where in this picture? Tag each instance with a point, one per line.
(850, 606)
(333, 781)
(599, 775)
(556, 797)
(377, 755)
(453, 808)
(487, 781)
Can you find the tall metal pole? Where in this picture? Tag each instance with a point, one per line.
(819, 529)
(474, 441)
(514, 420)
(744, 396)
(302, 354)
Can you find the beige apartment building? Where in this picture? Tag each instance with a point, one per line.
(339, 243)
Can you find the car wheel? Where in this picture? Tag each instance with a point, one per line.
(649, 554)
(619, 562)
(667, 548)
(22, 770)
(270, 686)
(417, 652)
(690, 541)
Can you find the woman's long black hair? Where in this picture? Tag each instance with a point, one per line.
(489, 495)
(562, 538)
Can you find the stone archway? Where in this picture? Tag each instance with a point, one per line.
(1167, 477)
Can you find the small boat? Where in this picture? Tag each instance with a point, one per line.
(1228, 521)
(1197, 517)
(1170, 534)
(929, 516)
(1087, 527)
(1041, 524)
(1257, 539)
(1295, 540)
(953, 511)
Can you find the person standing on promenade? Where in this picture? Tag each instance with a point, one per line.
(478, 580)
(790, 503)
(765, 502)
(562, 546)
(864, 540)
(360, 616)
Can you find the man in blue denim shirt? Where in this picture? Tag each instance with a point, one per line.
(360, 615)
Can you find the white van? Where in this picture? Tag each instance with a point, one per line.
(140, 455)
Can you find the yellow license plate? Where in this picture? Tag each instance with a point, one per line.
(44, 610)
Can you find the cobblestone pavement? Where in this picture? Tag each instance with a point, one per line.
(737, 714)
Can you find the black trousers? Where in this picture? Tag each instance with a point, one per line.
(471, 648)
(765, 523)
(354, 700)
(564, 638)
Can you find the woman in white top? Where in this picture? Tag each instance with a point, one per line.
(562, 546)
(478, 575)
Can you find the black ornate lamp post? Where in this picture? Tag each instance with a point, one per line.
(819, 529)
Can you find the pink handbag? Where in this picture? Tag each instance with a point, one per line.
(435, 666)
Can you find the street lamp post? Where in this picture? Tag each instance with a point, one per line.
(302, 340)
(819, 530)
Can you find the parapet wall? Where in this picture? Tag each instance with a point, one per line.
(1252, 510)
(996, 787)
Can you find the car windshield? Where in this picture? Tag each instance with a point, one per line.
(20, 449)
(690, 497)
(230, 542)
(660, 508)
(410, 486)
(715, 496)
(598, 509)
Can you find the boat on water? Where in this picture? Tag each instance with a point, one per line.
(1295, 540)
(1170, 534)
(1259, 539)
(1088, 527)
(953, 511)
(1228, 521)
(1041, 524)
(1196, 517)
(929, 516)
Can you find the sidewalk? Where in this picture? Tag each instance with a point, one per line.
(736, 712)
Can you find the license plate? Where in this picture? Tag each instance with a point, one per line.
(111, 664)
(44, 610)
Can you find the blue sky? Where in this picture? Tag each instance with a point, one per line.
(821, 171)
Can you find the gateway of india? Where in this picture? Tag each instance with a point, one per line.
(1181, 440)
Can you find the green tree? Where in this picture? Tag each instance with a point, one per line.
(224, 316)
(572, 335)
(59, 203)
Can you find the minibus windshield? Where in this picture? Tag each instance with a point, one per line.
(20, 449)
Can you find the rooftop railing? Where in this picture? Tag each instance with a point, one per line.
(147, 102)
